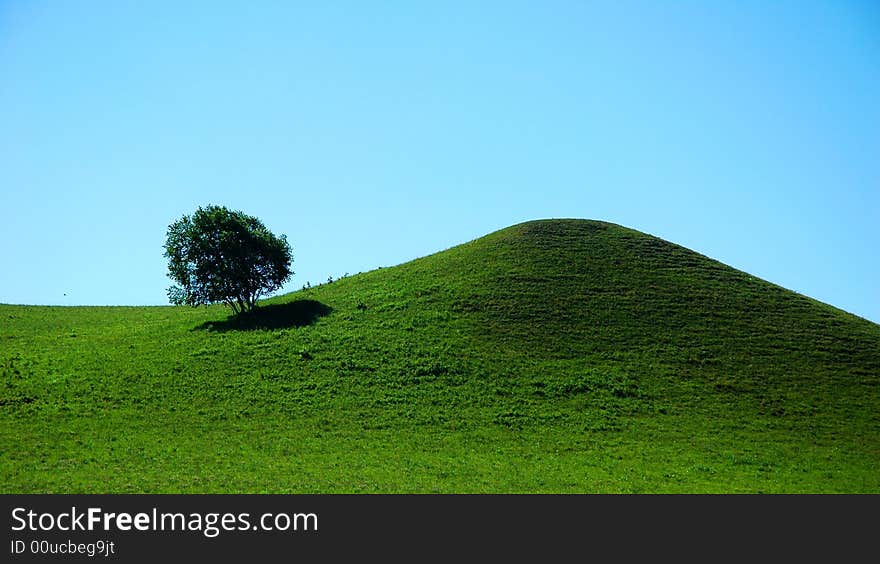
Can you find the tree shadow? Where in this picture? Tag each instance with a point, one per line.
(274, 316)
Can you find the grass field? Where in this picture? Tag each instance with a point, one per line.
(552, 356)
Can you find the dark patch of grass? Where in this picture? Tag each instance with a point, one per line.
(297, 313)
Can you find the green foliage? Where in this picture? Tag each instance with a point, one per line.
(552, 356)
(223, 256)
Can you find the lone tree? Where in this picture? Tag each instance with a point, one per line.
(222, 256)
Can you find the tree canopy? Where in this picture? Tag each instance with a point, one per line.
(219, 255)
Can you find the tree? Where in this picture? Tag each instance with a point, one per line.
(222, 256)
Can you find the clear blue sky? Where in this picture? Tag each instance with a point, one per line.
(372, 133)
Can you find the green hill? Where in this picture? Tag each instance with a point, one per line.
(551, 356)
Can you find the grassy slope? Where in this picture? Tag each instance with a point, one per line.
(552, 356)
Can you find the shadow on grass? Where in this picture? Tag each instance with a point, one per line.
(275, 316)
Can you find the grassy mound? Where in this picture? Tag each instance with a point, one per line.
(552, 356)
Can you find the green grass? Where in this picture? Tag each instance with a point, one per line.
(552, 356)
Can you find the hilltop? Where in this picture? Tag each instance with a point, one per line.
(551, 356)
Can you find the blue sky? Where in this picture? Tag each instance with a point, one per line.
(372, 133)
